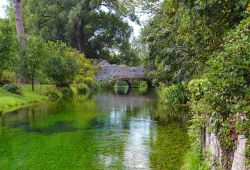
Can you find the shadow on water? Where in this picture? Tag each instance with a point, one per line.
(103, 131)
(171, 113)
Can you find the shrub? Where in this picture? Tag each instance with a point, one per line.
(67, 65)
(89, 81)
(82, 89)
(106, 85)
(143, 87)
(8, 77)
(61, 67)
(53, 96)
(62, 70)
(198, 88)
(12, 88)
(223, 91)
(67, 92)
(87, 71)
(174, 94)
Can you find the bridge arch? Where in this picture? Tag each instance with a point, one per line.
(124, 73)
(123, 90)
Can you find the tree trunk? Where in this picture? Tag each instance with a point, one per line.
(79, 36)
(19, 23)
(33, 83)
(203, 138)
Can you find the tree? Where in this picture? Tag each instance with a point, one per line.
(19, 23)
(32, 59)
(61, 66)
(95, 27)
(7, 45)
(183, 36)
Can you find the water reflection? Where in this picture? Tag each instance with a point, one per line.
(137, 151)
(106, 131)
(171, 113)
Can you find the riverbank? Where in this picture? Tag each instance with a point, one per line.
(10, 101)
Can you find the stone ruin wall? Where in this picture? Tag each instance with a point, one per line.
(212, 144)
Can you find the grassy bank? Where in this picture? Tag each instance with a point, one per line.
(9, 101)
(193, 161)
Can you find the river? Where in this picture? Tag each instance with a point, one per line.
(102, 131)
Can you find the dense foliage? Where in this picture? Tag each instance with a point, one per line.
(205, 43)
(41, 62)
(95, 27)
(183, 36)
(32, 59)
(222, 94)
(174, 94)
(7, 45)
(66, 65)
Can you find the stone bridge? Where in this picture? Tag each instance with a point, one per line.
(120, 72)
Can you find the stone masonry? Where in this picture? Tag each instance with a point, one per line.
(119, 72)
(239, 157)
(213, 145)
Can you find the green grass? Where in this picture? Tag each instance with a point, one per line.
(174, 94)
(193, 161)
(9, 101)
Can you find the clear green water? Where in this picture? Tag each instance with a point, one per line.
(105, 131)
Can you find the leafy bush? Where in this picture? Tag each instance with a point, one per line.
(66, 65)
(7, 77)
(82, 89)
(197, 88)
(87, 71)
(53, 96)
(67, 92)
(106, 85)
(89, 81)
(12, 88)
(61, 70)
(228, 77)
(174, 94)
(223, 92)
(143, 87)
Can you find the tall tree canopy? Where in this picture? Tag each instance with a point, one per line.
(96, 27)
(8, 45)
(185, 33)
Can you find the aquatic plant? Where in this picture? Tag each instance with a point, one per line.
(173, 94)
